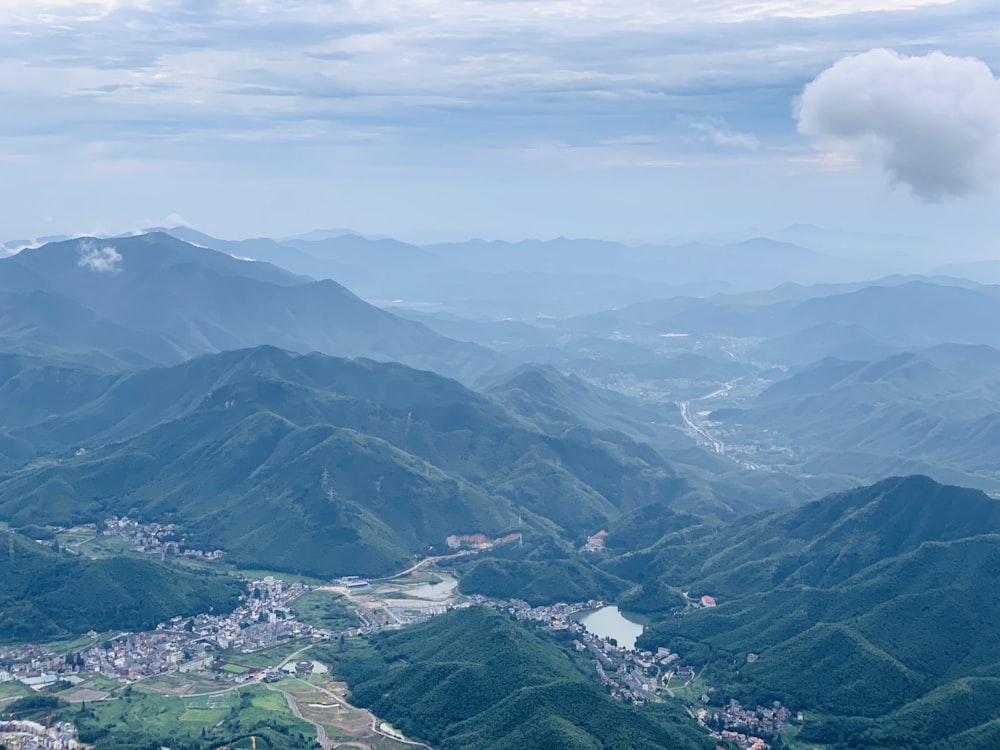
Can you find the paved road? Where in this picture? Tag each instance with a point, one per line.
(426, 560)
(685, 406)
(717, 445)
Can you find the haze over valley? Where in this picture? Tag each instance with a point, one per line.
(499, 376)
(240, 415)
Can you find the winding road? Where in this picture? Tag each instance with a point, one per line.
(293, 706)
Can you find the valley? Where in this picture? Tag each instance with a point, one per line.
(302, 524)
(499, 375)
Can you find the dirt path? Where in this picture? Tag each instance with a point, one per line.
(293, 706)
(375, 721)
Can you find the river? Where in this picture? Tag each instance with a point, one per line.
(609, 622)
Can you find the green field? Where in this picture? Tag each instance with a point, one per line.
(79, 644)
(689, 690)
(209, 709)
(269, 657)
(89, 544)
(792, 741)
(407, 580)
(234, 669)
(13, 690)
(100, 682)
(142, 718)
(270, 701)
(259, 573)
(324, 609)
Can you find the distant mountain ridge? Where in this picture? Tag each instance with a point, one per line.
(559, 277)
(201, 301)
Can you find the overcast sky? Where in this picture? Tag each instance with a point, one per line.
(622, 119)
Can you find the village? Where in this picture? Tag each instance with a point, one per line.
(183, 644)
(31, 735)
(154, 538)
(211, 644)
(763, 720)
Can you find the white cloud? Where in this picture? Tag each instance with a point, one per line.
(719, 133)
(931, 122)
(186, 103)
(99, 259)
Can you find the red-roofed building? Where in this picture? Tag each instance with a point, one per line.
(707, 601)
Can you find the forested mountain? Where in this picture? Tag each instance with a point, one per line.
(45, 594)
(53, 326)
(319, 464)
(189, 300)
(473, 680)
(150, 377)
(874, 607)
(935, 410)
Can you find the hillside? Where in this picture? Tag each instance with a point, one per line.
(473, 680)
(933, 411)
(203, 301)
(872, 608)
(46, 595)
(51, 325)
(322, 465)
(541, 574)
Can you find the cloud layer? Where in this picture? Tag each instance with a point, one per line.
(931, 122)
(258, 116)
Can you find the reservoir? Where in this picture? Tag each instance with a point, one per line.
(609, 622)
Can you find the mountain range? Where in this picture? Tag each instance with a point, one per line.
(874, 609)
(558, 277)
(315, 464)
(156, 299)
(934, 410)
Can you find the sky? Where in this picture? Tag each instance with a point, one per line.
(430, 119)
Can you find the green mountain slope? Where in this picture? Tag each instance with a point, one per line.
(875, 608)
(45, 594)
(934, 411)
(474, 680)
(56, 327)
(318, 464)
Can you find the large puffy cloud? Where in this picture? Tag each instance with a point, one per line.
(931, 122)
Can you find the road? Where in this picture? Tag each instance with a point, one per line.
(717, 445)
(322, 739)
(293, 706)
(685, 406)
(427, 560)
(293, 657)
